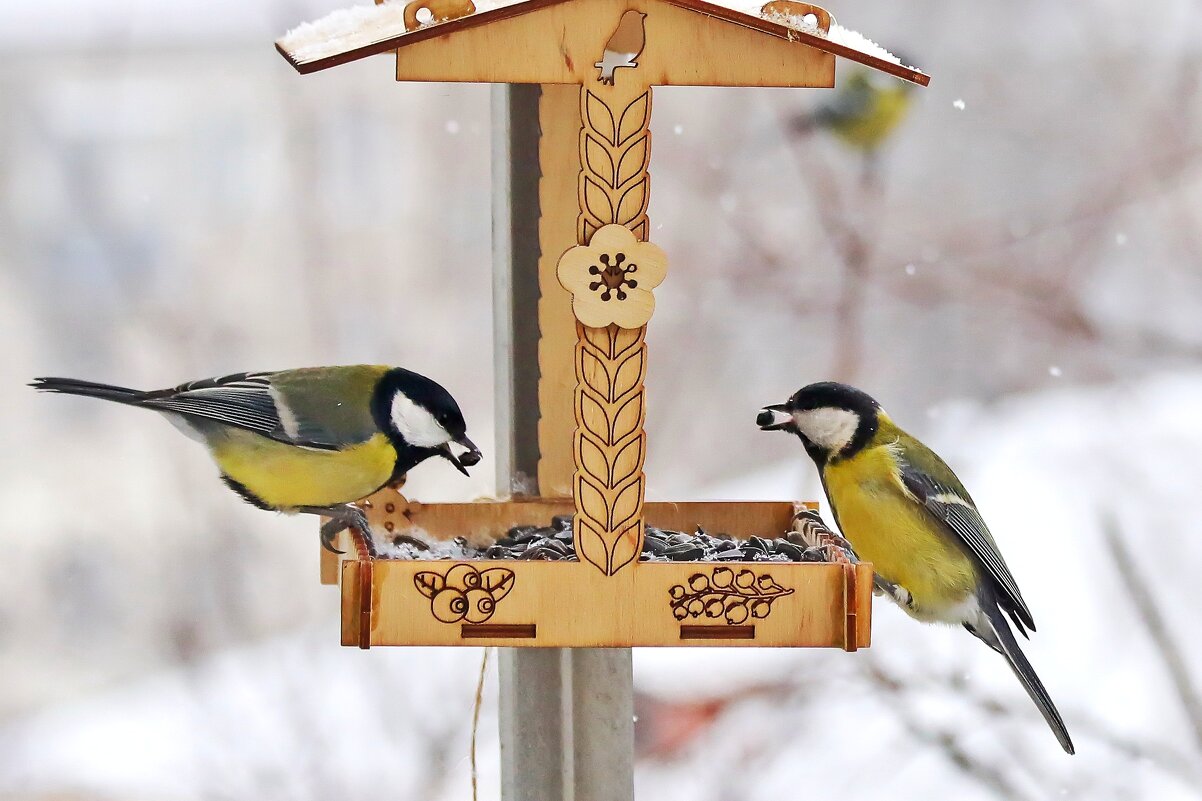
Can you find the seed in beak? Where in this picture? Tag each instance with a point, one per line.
(472, 454)
(773, 418)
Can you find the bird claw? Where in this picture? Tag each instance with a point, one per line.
(899, 595)
(329, 546)
(328, 532)
(342, 518)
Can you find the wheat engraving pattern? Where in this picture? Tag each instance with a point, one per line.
(615, 149)
(611, 362)
(611, 365)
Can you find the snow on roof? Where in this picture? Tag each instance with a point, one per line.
(808, 23)
(356, 27)
(344, 29)
(858, 41)
(360, 31)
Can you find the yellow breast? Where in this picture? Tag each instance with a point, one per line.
(870, 130)
(285, 477)
(888, 528)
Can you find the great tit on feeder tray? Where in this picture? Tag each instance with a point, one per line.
(903, 509)
(308, 441)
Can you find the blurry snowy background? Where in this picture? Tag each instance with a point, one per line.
(1021, 286)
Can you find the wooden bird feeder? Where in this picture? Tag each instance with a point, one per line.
(595, 62)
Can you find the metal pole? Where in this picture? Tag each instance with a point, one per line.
(566, 715)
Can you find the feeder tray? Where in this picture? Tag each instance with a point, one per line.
(595, 63)
(572, 604)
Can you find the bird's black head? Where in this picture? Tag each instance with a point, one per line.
(422, 419)
(834, 421)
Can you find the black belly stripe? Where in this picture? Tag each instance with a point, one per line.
(245, 494)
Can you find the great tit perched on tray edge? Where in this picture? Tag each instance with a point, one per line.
(903, 509)
(309, 441)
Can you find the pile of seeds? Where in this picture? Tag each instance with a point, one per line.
(556, 543)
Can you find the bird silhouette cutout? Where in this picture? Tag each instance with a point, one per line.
(624, 47)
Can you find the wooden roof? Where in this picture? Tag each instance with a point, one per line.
(557, 41)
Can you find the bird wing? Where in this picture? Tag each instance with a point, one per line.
(261, 402)
(947, 500)
(331, 405)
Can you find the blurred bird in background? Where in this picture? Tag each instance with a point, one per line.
(308, 441)
(903, 509)
(862, 112)
(624, 46)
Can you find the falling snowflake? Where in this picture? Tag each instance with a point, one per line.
(958, 105)
(1055, 372)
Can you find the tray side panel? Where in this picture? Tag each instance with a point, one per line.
(558, 604)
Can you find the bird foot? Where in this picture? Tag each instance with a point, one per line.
(342, 518)
(900, 595)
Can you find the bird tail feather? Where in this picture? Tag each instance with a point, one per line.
(89, 389)
(1006, 644)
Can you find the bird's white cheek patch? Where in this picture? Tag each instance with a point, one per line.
(828, 428)
(416, 425)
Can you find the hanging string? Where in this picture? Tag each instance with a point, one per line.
(476, 718)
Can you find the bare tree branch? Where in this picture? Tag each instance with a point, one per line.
(1157, 627)
(942, 738)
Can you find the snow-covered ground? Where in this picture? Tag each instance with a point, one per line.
(926, 712)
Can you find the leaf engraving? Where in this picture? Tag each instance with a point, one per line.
(497, 581)
(632, 162)
(598, 201)
(428, 583)
(635, 118)
(600, 118)
(598, 159)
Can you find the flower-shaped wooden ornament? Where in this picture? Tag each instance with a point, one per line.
(611, 278)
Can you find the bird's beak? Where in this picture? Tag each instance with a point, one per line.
(775, 418)
(469, 457)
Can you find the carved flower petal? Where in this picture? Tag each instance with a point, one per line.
(612, 237)
(652, 263)
(576, 272)
(635, 311)
(651, 259)
(594, 312)
(573, 268)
